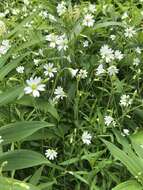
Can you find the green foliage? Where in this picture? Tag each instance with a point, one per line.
(71, 109)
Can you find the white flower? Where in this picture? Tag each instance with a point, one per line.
(86, 137)
(20, 69)
(88, 20)
(61, 8)
(60, 94)
(49, 70)
(73, 72)
(124, 16)
(85, 43)
(129, 32)
(100, 70)
(138, 50)
(126, 131)
(4, 47)
(113, 37)
(92, 8)
(82, 74)
(51, 154)
(36, 62)
(52, 38)
(52, 18)
(112, 70)
(44, 14)
(136, 61)
(26, 2)
(118, 55)
(2, 14)
(34, 86)
(1, 139)
(108, 120)
(62, 42)
(2, 28)
(125, 100)
(107, 53)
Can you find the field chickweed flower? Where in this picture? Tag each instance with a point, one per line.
(118, 55)
(86, 137)
(61, 8)
(125, 100)
(34, 86)
(52, 38)
(88, 20)
(138, 50)
(4, 47)
(100, 70)
(112, 70)
(136, 61)
(112, 37)
(107, 53)
(36, 62)
(129, 32)
(49, 70)
(62, 42)
(82, 74)
(20, 69)
(73, 72)
(126, 131)
(1, 139)
(59, 92)
(92, 8)
(85, 43)
(109, 120)
(51, 154)
(26, 2)
(125, 15)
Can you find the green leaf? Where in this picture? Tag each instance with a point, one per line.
(47, 185)
(107, 24)
(129, 185)
(12, 184)
(36, 177)
(84, 157)
(20, 159)
(20, 130)
(133, 164)
(10, 95)
(10, 66)
(137, 137)
(40, 104)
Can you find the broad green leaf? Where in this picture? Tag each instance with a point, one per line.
(133, 164)
(20, 159)
(12, 184)
(138, 149)
(137, 137)
(20, 130)
(107, 24)
(10, 95)
(79, 177)
(129, 185)
(36, 177)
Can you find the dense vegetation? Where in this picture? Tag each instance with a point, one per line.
(71, 108)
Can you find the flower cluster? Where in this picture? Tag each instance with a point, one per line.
(59, 42)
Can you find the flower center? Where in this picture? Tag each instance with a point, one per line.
(33, 86)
